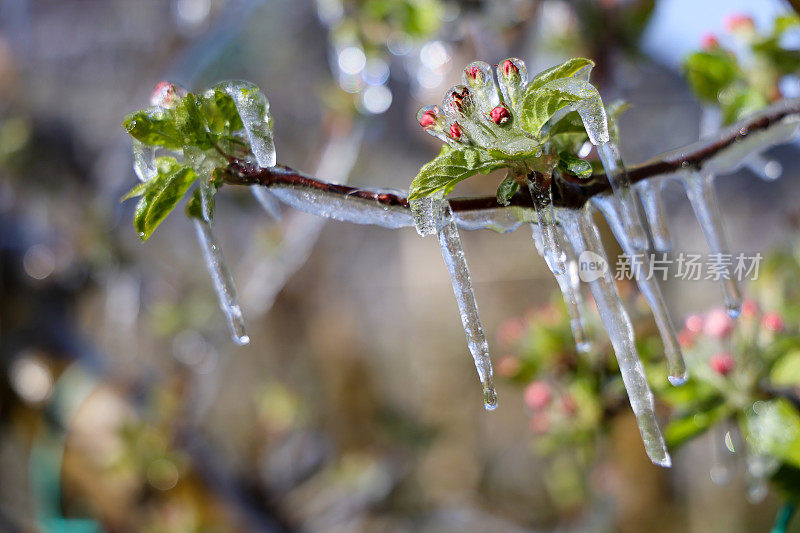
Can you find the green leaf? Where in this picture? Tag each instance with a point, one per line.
(574, 165)
(786, 370)
(567, 69)
(737, 104)
(191, 123)
(139, 190)
(450, 167)
(709, 73)
(154, 126)
(539, 104)
(219, 111)
(680, 430)
(508, 187)
(162, 194)
(773, 428)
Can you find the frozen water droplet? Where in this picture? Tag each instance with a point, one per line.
(453, 254)
(677, 381)
(512, 77)
(584, 236)
(478, 77)
(253, 108)
(766, 169)
(541, 195)
(222, 280)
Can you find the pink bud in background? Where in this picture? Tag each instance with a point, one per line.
(510, 331)
(540, 423)
(709, 42)
(694, 323)
(508, 366)
(773, 322)
(569, 405)
(718, 324)
(167, 94)
(722, 363)
(686, 338)
(537, 395)
(738, 22)
(749, 309)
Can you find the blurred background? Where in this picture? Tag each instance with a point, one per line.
(124, 406)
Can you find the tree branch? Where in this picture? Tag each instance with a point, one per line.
(771, 126)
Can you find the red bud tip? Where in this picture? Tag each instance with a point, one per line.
(474, 72)
(538, 395)
(738, 21)
(722, 363)
(427, 120)
(709, 42)
(772, 322)
(455, 131)
(500, 115)
(167, 94)
(509, 68)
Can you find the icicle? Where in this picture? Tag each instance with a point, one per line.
(222, 280)
(268, 202)
(585, 239)
(253, 109)
(649, 286)
(144, 161)
(204, 166)
(700, 190)
(453, 254)
(766, 169)
(541, 195)
(650, 194)
(569, 283)
(425, 213)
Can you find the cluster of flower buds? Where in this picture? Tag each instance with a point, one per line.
(478, 112)
(167, 95)
(738, 24)
(548, 406)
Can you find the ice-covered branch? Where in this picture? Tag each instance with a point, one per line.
(724, 152)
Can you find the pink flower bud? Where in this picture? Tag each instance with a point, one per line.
(722, 363)
(773, 322)
(508, 366)
(510, 331)
(718, 324)
(475, 74)
(427, 119)
(686, 338)
(540, 423)
(509, 68)
(500, 115)
(709, 42)
(738, 22)
(694, 323)
(455, 131)
(569, 405)
(538, 395)
(167, 94)
(749, 309)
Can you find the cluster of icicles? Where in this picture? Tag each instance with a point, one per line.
(561, 235)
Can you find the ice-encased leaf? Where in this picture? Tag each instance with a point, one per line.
(478, 77)
(253, 108)
(450, 167)
(567, 69)
(161, 195)
(540, 103)
(154, 126)
(574, 165)
(507, 188)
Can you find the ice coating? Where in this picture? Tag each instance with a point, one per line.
(453, 254)
(144, 161)
(478, 77)
(766, 169)
(426, 212)
(222, 281)
(700, 190)
(655, 212)
(648, 284)
(584, 236)
(268, 202)
(512, 77)
(432, 120)
(460, 106)
(253, 108)
(204, 167)
(541, 194)
(569, 283)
